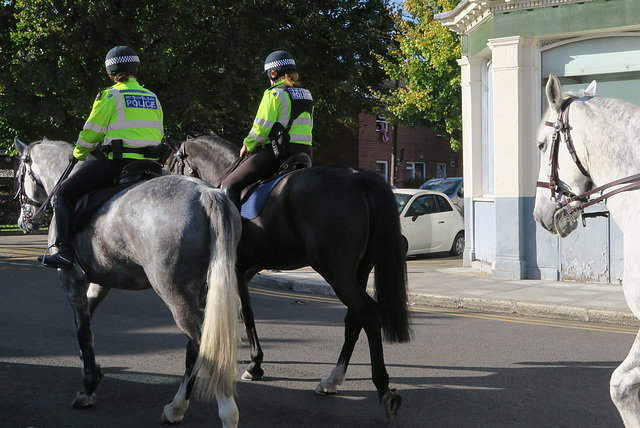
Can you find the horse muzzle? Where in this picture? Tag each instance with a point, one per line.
(564, 222)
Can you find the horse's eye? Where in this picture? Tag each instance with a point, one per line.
(542, 145)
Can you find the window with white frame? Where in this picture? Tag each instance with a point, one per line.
(382, 168)
(415, 170)
(612, 61)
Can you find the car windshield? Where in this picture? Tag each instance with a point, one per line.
(445, 186)
(402, 199)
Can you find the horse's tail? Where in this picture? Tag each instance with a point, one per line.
(389, 252)
(215, 367)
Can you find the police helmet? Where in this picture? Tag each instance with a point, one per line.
(122, 59)
(280, 61)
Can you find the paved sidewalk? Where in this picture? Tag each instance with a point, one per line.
(436, 282)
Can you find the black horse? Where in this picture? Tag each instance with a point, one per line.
(340, 221)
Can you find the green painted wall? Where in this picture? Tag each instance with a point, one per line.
(548, 21)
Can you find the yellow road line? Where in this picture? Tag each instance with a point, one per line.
(487, 316)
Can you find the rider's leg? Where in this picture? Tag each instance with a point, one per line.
(99, 173)
(63, 259)
(259, 165)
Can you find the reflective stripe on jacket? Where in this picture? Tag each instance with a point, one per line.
(125, 111)
(276, 106)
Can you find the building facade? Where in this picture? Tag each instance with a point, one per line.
(367, 143)
(509, 47)
(421, 153)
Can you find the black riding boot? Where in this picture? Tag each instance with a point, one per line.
(234, 196)
(63, 259)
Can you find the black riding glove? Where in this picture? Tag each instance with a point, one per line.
(73, 159)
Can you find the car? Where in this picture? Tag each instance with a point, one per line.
(430, 222)
(453, 187)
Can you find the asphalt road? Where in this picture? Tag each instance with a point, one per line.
(462, 369)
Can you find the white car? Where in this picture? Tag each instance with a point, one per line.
(430, 222)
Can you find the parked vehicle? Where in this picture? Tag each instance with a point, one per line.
(453, 187)
(429, 221)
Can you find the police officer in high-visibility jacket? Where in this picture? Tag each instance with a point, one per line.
(126, 123)
(282, 127)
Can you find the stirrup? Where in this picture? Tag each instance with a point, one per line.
(56, 260)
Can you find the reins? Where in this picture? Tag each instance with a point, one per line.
(561, 126)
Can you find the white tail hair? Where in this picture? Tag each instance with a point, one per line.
(215, 368)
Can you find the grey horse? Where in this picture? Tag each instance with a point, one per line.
(174, 234)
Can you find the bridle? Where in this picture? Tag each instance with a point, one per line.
(24, 200)
(561, 127)
(182, 161)
(22, 197)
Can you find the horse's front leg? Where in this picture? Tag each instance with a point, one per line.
(254, 371)
(625, 384)
(76, 288)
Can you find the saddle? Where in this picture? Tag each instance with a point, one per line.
(133, 173)
(255, 196)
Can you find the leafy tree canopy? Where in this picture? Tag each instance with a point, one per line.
(202, 58)
(423, 59)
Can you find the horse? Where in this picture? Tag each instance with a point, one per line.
(590, 152)
(340, 221)
(177, 235)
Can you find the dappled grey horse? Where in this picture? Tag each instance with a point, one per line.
(590, 152)
(174, 234)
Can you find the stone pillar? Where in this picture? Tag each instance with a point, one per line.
(471, 81)
(515, 100)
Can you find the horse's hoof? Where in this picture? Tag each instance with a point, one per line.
(253, 374)
(326, 388)
(164, 420)
(83, 401)
(391, 401)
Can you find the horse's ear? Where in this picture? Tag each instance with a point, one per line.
(20, 146)
(175, 145)
(554, 92)
(591, 90)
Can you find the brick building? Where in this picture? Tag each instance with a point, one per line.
(421, 153)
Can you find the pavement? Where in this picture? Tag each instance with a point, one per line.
(433, 281)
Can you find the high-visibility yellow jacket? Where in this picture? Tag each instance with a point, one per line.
(125, 111)
(277, 105)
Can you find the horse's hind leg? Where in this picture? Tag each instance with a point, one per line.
(173, 412)
(254, 371)
(352, 328)
(625, 384)
(362, 313)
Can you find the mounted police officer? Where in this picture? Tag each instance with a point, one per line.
(282, 127)
(126, 122)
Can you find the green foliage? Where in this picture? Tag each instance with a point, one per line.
(202, 58)
(423, 58)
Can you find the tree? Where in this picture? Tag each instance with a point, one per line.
(203, 59)
(423, 59)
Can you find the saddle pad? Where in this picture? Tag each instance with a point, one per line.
(253, 207)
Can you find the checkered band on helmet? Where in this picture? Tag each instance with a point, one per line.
(121, 59)
(280, 61)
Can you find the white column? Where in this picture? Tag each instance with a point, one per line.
(471, 81)
(514, 72)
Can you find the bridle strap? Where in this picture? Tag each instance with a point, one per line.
(631, 182)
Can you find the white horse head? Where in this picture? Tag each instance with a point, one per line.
(31, 192)
(558, 168)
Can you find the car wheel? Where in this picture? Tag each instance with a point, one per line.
(458, 245)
